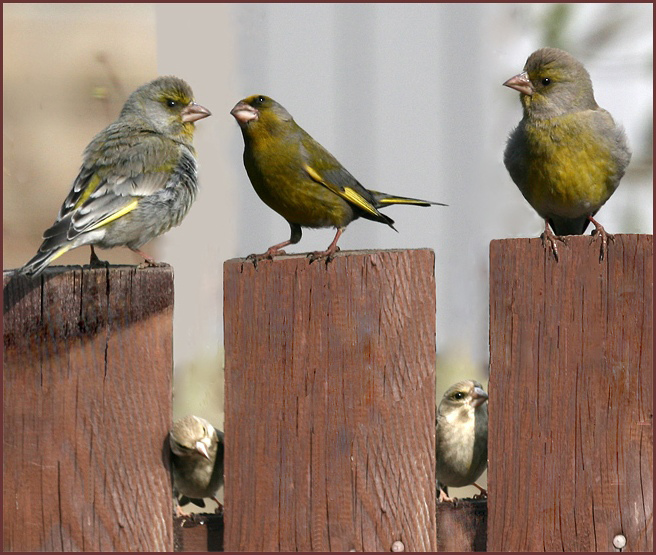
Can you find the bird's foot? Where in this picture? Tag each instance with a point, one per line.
(268, 255)
(444, 498)
(548, 237)
(95, 262)
(482, 492)
(599, 230)
(219, 507)
(328, 255)
(149, 261)
(180, 513)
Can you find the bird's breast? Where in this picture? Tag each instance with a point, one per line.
(570, 170)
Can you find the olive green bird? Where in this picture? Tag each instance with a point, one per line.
(567, 155)
(138, 177)
(297, 177)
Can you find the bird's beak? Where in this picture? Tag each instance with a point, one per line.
(520, 83)
(194, 112)
(244, 113)
(479, 397)
(200, 447)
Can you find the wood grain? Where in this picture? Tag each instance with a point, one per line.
(570, 444)
(87, 407)
(330, 403)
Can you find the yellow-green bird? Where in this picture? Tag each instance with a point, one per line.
(567, 155)
(297, 177)
(138, 177)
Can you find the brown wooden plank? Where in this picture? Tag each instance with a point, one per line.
(87, 408)
(462, 526)
(570, 444)
(198, 532)
(330, 403)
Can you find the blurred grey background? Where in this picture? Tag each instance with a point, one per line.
(407, 96)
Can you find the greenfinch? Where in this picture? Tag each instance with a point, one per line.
(461, 437)
(196, 461)
(138, 177)
(567, 155)
(297, 177)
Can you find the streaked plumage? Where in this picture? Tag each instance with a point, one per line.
(138, 176)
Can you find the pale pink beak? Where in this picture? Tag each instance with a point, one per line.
(200, 447)
(194, 112)
(479, 397)
(520, 83)
(244, 113)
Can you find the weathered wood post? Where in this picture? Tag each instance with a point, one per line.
(570, 444)
(330, 403)
(87, 407)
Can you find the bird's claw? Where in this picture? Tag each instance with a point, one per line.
(150, 263)
(328, 255)
(482, 492)
(443, 497)
(268, 255)
(548, 237)
(95, 262)
(605, 237)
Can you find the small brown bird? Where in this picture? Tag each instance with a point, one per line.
(298, 178)
(567, 155)
(196, 461)
(461, 437)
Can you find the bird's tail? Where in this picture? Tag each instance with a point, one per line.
(42, 258)
(383, 199)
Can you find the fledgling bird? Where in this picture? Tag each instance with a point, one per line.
(196, 461)
(567, 155)
(461, 437)
(138, 177)
(300, 179)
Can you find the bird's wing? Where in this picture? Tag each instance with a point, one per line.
(355, 195)
(113, 180)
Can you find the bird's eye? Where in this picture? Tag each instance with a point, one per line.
(171, 103)
(259, 99)
(546, 81)
(459, 395)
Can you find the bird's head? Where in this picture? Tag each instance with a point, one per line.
(167, 106)
(462, 400)
(259, 114)
(553, 83)
(192, 436)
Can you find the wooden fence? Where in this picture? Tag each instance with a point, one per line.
(329, 407)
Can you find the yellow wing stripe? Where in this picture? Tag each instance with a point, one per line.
(122, 212)
(347, 193)
(60, 252)
(89, 188)
(314, 175)
(359, 201)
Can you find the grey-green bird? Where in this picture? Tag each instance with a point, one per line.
(461, 437)
(297, 177)
(567, 155)
(138, 177)
(196, 461)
